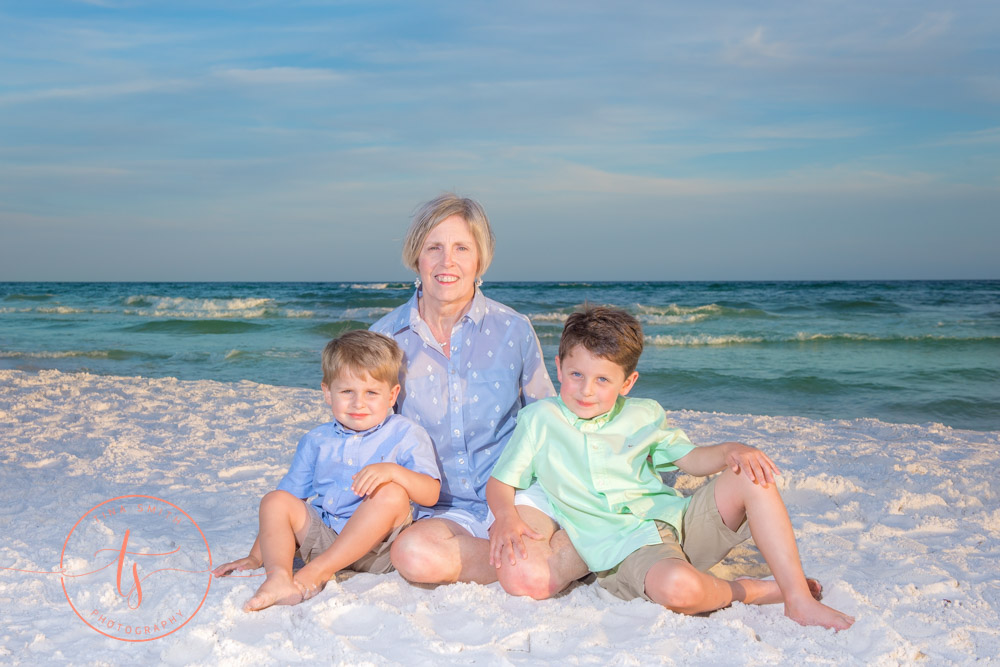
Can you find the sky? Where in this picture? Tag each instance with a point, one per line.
(256, 140)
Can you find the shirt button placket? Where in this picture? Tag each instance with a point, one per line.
(593, 450)
(459, 445)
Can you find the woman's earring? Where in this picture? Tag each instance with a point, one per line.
(416, 283)
(479, 281)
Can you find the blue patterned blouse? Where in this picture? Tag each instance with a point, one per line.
(468, 402)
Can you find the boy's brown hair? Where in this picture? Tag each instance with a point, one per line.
(362, 352)
(609, 333)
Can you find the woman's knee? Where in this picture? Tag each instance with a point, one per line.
(415, 554)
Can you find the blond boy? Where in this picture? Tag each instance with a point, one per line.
(597, 457)
(348, 492)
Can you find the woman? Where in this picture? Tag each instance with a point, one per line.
(470, 364)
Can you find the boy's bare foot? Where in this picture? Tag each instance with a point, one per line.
(309, 586)
(813, 612)
(766, 591)
(275, 590)
(809, 611)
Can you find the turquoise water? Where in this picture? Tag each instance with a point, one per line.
(912, 351)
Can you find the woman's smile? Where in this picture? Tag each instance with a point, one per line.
(449, 261)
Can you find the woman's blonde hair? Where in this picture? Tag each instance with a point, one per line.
(431, 214)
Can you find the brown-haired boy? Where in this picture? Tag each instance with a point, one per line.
(361, 471)
(598, 455)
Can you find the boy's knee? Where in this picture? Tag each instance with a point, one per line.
(390, 494)
(391, 499)
(740, 480)
(276, 498)
(529, 578)
(677, 588)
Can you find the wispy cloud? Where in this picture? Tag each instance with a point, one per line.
(930, 27)
(823, 130)
(756, 48)
(99, 91)
(107, 4)
(978, 138)
(279, 76)
(835, 180)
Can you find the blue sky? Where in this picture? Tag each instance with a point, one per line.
(644, 140)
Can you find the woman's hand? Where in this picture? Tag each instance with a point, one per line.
(506, 533)
(248, 563)
(372, 476)
(750, 461)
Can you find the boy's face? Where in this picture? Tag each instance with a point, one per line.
(589, 385)
(359, 403)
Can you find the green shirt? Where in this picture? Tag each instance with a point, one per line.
(601, 475)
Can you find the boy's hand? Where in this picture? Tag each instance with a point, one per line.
(247, 563)
(506, 532)
(373, 476)
(752, 462)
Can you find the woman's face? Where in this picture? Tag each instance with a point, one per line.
(449, 261)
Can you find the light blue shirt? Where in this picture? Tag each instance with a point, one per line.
(330, 455)
(468, 402)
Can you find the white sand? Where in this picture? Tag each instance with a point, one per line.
(901, 523)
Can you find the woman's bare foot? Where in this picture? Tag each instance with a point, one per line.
(813, 612)
(277, 589)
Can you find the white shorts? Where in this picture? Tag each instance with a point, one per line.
(466, 519)
(533, 496)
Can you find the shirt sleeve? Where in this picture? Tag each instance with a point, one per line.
(298, 481)
(535, 381)
(671, 444)
(419, 455)
(515, 466)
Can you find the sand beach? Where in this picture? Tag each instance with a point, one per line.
(901, 523)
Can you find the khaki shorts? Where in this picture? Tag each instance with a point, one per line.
(321, 537)
(707, 540)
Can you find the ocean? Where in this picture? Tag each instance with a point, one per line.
(909, 351)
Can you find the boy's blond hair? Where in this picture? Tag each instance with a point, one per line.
(361, 352)
(609, 333)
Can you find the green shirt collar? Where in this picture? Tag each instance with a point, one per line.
(594, 422)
